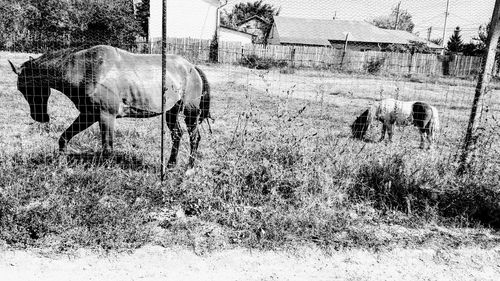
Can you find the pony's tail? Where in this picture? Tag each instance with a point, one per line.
(435, 125)
(361, 124)
(205, 97)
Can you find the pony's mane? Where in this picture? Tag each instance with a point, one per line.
(360, 126)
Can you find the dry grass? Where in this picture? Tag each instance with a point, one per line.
(280, 169)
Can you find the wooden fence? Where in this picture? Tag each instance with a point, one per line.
(357, 61)
(327, 58)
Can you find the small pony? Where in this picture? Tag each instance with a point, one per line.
(390, 111)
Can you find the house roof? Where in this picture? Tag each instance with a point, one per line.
(259, 18)
(321, 32)
(412, 37)
(213, 2)
(235, 30)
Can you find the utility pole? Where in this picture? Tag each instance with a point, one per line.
(163, 86)
(397, 16)
(482, 83)
(429, 31)
(445, 20)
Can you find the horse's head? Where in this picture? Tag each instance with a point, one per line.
(31, 83)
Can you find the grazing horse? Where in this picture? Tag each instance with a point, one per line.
(393, 112)
(106, 83)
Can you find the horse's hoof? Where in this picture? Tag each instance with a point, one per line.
(190, 172)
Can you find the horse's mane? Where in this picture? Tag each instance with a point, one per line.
(54, 59)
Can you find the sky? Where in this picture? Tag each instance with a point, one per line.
(467, 14)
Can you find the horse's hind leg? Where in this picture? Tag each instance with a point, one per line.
(192, 116)
(82, 122)
(171, 117)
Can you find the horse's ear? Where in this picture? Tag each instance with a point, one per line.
(14, 68)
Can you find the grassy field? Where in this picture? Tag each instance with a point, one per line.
(279, 170)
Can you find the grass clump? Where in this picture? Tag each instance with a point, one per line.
(389, 185)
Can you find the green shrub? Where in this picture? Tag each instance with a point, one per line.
(254, 61)
(374, 65)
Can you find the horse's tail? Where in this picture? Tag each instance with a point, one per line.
(360, 126)
(205, 97)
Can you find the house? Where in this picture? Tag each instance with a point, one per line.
(360, 36)
(228, 34)
(196, 19)
(255, 25)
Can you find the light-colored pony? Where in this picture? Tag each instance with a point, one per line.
(394, 112)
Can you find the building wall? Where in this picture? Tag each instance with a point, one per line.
(185, 18)
(357, 46)
(229, 35)
(273, 37)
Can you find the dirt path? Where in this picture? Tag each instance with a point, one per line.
(157, 263)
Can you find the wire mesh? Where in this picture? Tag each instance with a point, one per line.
(309, 91)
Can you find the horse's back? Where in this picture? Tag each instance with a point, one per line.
(127, 82)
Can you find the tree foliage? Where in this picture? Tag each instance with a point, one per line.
(455, 43)
(36, 25)
(142, 15)
(243, 11)
(404, 20)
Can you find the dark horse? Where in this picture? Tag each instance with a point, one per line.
(106, 83)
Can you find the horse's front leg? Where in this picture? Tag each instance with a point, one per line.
(82, 122)
(107, 126)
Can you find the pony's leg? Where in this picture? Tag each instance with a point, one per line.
(390, 131)
(82, 122)
(171, 118)
(384, 129)
(107, 126)
(430, 138)
(192, 116)
(422, 139)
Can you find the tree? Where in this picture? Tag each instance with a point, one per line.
(403, 17)
(437, 41)
(142, 16)
(14, 21)
(243, 11)
(472, 49)
(455, 43)
(106, 22)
